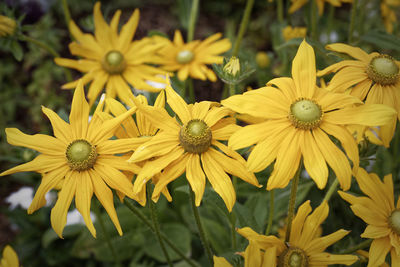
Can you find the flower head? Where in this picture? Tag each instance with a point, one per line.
(381, 214)
(388, 13)
(111, 59)
(80, 158)
(290, 32)
(375, 79)
(297, 4)
(9, 258)
(189, 142)
(7, 26)
(295, 120)
(190, 59)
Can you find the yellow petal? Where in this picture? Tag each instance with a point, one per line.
(79, 116)
(303, 70)
(298, 221)
(61, 129)
(263, 241)
(177, 103)
(354, 52)
(43, 143)
(215, 114)
(114, 179)
(118, 146)
(324, 259)
(42, 164)
(10, 257)
(226, 132)
(338, 66)
(81, 65)
(102, 30)
(252, 255)
(195, 177)
(321, 243)
(128, 31)
(221, 262)
(375, 232)
(377, 252)
(287, 86)
(97, 85)
(58, 215)
(83, 197)
(200, 109)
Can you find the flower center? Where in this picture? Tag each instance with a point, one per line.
(305, 114)
(383, 70)
(113, 62)
(184, 56)
(195, 136)
(81, 155)
(394, 221)
(293, 257)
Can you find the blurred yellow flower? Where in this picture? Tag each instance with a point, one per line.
(262, 59)
(290, 32)
(190, 59)
(375, 79)
(378, 210)
(388, 13)
(9, 258)
(7, 26)
(191, 144)
(233, 66)
(81, 158)
(297, 4)
(113, 60)
(296, 120)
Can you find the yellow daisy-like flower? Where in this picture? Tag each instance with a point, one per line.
(9, 258)
(7, 26)
(81, 158)
(111, 59)
(297, 119)
(388, 13)
(190, 59)
(381, 215)
(189, 142)
(290, 32)
(375, 77)
(304, 249)
(297, 4)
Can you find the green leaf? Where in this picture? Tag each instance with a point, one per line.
(69, 231)
(16, 50)
(382, 40)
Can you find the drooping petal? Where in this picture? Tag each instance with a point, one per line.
(114, 179)
(298, 221)
(354, 52)
(263, 241)
(377, 252)
(252, 255)
(83, 197)
(195, 176)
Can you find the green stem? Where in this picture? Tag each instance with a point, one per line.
(280, 11)
(361, 15)
(192, 97)
(330, 21)
(40, 44)
(292, 202)
(67, 14)
(332, 189)
(192, 20)
(232, 219)
(147, 222)
(271, 211)
(232, 89)
(202, 234)
(362, 245)
(243, 26)
(107, 237)
(156, 225)
(352, 21)
(314, 14)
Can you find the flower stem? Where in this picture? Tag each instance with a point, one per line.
(362, 245)
(314, 19)
(192, 20)
(232, 89)
(192, 97)
(292, 202)
(67, 14)
(147, 222)
(232, 219)
(40, 44)
(156, 225)
(243, 26)
(107, 237)
(271, 211)
(352, 21)
(330, 21)
(280, 10)
(332, 189)
(202, 234)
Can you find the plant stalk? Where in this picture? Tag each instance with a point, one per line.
(67, 14)
(352, 21)
(314, 14)
(40, 44)
(332, 189)
(271, 211)
(243, 26)
(292, 203)
(192, 20)
(362, 245)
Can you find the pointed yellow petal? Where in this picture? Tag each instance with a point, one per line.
(215, 114)
(354, 52)
(83, 197)
(118, 146)
(221, 262)
(377, 252)
(303, 70)
(195, 177)
(324, 259)
(226, 132)
(263, 241)
(200, 109)
(177, 103)
(128, 31)
(375, 232)
(61, 129)
(10, 257)
(101, 28)
(252, 255)
(321, 243)
(287, 86)
(114, 179)
(42, 164)
(79, 116)
(298, 221)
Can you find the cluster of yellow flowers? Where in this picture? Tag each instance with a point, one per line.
(290, 120)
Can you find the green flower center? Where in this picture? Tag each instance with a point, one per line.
(184, 56)
(113, 62)
(383, 70)
(305, 114)
(394, 221)
(81, 155)
(293, 257)
(195, 136)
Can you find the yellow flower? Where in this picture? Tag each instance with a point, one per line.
(233, 66)
(7, 26)
(190, 59)
(142, 130)
(380, 213)
(80, 158)
(297, 4)
(305, 247)
(262, 59)
(290, 32)
(376, 79)
(190, 145)
(10, 258)
(112, 60)
(297, 119)
(388, 13)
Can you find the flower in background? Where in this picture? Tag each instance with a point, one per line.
(378, 210)
(9, 257)
(7, 26)
(290, 32)
(191, 144)
(388, 13)
(297, 4)
(304, 248)
(296, 119)
(80, 158)
(190, 59)
(111, 59)
(233, 66)
(375, 79)
(262, 59)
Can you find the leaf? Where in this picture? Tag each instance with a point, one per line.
(382, 40)
(69, 231)
(16, 50)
